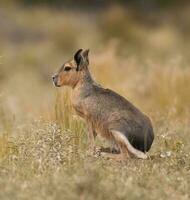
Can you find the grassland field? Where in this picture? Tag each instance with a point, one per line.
(43, 144)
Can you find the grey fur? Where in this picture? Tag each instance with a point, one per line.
(104, 111)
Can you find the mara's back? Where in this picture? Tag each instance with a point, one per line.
(108, 109)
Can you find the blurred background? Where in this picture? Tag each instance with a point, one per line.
(139, 48)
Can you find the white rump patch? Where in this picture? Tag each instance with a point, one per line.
(119, 136)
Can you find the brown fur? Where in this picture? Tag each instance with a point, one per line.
(106, 112)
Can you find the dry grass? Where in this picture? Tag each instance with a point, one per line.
(43, 145)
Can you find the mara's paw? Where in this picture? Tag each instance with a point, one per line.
(111, 150)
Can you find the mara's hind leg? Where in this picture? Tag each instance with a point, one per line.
(121, 154)
(126, 147)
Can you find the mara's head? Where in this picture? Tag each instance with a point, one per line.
(70, 72)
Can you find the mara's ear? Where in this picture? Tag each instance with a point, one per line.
(78, 57)
(85, 54)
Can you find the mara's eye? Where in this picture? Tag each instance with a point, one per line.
(67, 68)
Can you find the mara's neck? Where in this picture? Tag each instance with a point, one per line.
(85, 81)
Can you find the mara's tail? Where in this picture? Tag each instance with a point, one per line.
(122, 139)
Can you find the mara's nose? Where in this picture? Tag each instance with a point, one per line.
(55, 80)
(54, 77)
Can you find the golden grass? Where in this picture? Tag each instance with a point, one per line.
(170, 87)
(67, 119)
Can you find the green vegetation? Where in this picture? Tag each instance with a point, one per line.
(43, 144)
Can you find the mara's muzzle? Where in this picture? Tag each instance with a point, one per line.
(55, 80)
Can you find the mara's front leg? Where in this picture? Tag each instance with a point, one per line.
(91, 137)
